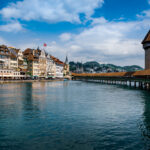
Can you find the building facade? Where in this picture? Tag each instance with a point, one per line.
(32, 58)
(4, 57)
(42, 63)
(50, 67)
(59, 67)
(33, 63)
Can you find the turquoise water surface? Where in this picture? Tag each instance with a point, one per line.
(73, 115)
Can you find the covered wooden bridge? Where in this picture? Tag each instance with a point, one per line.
(138, 79)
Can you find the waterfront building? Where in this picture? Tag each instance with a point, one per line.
(59, 66)
(11, 74)
(13, 62)
(14, 57)
(59, 70)
(32, 57)
(4, 57)
(22, 64)
(146, 46)
(35, 63)
(21, 61)
(50, 67)
(10, 57)
(42, 63)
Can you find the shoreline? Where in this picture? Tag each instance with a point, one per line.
(28, 81)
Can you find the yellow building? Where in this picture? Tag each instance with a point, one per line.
(32, 62)
(42, 63)
(36, 60)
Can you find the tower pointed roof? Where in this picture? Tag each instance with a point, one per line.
(66, 61)
(38, 48)
(147, 38)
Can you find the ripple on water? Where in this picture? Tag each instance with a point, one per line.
(73, 115)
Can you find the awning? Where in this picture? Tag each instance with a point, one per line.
(35, 76)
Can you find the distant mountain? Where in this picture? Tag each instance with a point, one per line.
(95, 67)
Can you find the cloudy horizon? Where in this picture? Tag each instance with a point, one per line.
(87, 30)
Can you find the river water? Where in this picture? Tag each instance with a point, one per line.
(73, 115)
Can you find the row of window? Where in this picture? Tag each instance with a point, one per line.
(5, 71)
(14, 64)
(15, 73)
(36, 70)
(2, 56)
(6, 52)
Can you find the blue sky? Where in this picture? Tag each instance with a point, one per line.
(108, 31)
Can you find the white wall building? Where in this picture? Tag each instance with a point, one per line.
(59, 67)
(50, 67)
(59, 70)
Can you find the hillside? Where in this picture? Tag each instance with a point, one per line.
(95, 67)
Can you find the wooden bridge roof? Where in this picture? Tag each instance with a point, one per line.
(116, 74)
(142, 73)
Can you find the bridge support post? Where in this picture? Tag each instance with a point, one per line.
(148, 86)
(135, 84)
(144, 86)
(141, 85)
(130, 83)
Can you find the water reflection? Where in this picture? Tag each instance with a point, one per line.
(73, 115)
(33, 98)
(145, 125)
(65, 83)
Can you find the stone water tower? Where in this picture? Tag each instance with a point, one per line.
(146, 46)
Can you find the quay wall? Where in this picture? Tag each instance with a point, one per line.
(28, 81)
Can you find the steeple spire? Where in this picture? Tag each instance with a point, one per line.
(38, 48)
(66, 61)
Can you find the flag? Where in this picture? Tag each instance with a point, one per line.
(44, 44)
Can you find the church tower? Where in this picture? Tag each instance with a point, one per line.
(146, 46)
(66, 68)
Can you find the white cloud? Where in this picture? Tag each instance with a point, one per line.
(50, 10)
(25, 45)
(3, 41)
(11, 27)
(65, 36)
(112, 42)
(108, 38)
(146, 13)
(100, 20)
